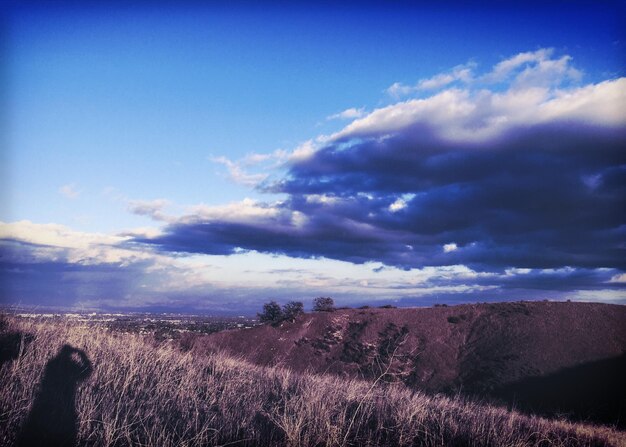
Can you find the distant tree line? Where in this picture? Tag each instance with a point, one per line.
(273, 313)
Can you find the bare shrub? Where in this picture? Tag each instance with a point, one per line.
(323, 304)
(272, 313)
(292, 309)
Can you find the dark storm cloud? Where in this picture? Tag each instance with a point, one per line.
(415, 160)
(328, 235)
(543, 197)
(565, 280)
(515, 174)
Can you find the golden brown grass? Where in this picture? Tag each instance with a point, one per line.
(143, 394)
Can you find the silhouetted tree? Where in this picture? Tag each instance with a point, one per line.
(272, 313)
(323, 304)
(292, 309)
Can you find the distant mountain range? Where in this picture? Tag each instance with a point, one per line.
(552, 358)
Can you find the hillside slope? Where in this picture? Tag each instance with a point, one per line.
(66, 383)
(484, 349)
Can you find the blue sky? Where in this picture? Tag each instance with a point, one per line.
(160, 138)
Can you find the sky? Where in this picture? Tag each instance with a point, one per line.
(192, 157)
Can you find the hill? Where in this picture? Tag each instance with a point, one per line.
(68, 383)
(547, 357)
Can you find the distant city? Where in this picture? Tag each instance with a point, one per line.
(166, 326)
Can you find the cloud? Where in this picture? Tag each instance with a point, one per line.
(619, 278)
(55, 266)
(507, 183)
(502, 69)
(150, 208)
(460, 73)
(53, 242)
(466, 116)
(52, 265)
(447, 248)
(244, 211)
(278, 156)
(238, 174)
(350, 113)
(254, 169)
(529, 175)
(303, 151)
(398, 205)
(69, 191)
(535, 68)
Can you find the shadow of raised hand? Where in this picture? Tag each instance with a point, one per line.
(52, 420)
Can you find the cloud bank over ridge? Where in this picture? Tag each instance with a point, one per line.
(503, 184)
(530, 174)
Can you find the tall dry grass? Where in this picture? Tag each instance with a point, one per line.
(148, 395)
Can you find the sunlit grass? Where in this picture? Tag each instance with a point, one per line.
(141, 393)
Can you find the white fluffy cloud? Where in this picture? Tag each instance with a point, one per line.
(535, 68)
(539, 89)
(57, 242)
(246, 210)
(467, 115)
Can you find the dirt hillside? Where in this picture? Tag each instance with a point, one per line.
(533, 354)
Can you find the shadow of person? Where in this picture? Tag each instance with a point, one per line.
(52, 420)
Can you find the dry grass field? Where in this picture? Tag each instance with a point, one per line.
(93, 387)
